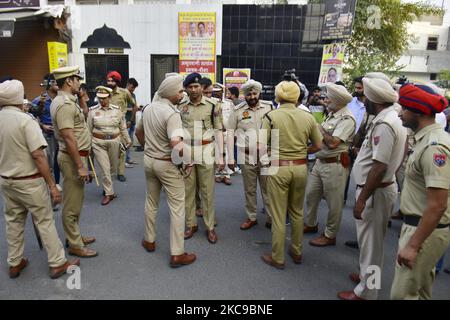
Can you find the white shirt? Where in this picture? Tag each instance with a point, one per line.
(441, 119)
(358, 109)
(303, 107)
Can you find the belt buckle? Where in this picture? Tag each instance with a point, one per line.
(108, 136)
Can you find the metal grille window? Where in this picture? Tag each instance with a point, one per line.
(97, 67)
(160, 65)
(432, 43)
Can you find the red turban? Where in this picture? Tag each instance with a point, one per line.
(115, 75)
(421, 99)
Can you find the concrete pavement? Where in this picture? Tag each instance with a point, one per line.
(230, 269)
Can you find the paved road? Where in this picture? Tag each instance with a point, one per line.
(231, 269)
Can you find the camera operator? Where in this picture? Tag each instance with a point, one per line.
(40, 108)
(316, 104)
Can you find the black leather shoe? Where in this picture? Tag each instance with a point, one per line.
(121, 178)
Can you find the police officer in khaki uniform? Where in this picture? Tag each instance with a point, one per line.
(329, 174)
(381, 155)
(74, 141)
(288, 131)
(425, 198)
(201, 123)
(244, 123)
(160, 131)
(108, 128)
(26, 183)
(121, 98)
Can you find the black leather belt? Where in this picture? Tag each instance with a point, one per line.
(414, 221)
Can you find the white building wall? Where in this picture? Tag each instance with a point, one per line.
(148, 28)
(422, 30)
(419, 63)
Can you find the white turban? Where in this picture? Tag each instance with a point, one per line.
(338, 94)
(379, 91)
(11, 93)
(287, 91)
(170, 86)
(378, 75)
(251, 85)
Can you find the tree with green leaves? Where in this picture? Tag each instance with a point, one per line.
(380, 34)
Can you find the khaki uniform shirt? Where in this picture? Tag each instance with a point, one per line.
(294, 127)
(342, 125)
(428, 167)
(205, 117)
(160, 122)
(246, 121)
(121, 97)
(108, 121)
(67, 114)
(385, 142)
(20, 135)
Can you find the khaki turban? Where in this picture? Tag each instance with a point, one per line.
(11, 93)
(338, 94)
(378, 75)
(170, 86)
(379, 91)
(251, 85)
(287, 91)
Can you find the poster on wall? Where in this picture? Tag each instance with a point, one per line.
(332, 63)
(19, 4)
(338, 21)
(197, 43)
(57, 55)
(233, 77)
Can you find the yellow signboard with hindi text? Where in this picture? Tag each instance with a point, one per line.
(57, 55)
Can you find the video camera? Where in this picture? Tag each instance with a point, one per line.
(289, 75)
(47, 83)
(402, 80)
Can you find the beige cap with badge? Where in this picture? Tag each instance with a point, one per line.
(103, 92)
(65, 72)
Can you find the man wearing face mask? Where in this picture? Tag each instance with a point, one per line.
(122, 98)
(380, 156)
(331, 168)
(202, 124)
(244, 123)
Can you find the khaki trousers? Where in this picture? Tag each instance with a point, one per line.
(326, 180)
(160, 173)
(417, 283)
(73, 196)
(122, 156)
(370, 231)
(251, 175)
(21, 197)
(202, 176)
(106, 153)
(286, 192)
